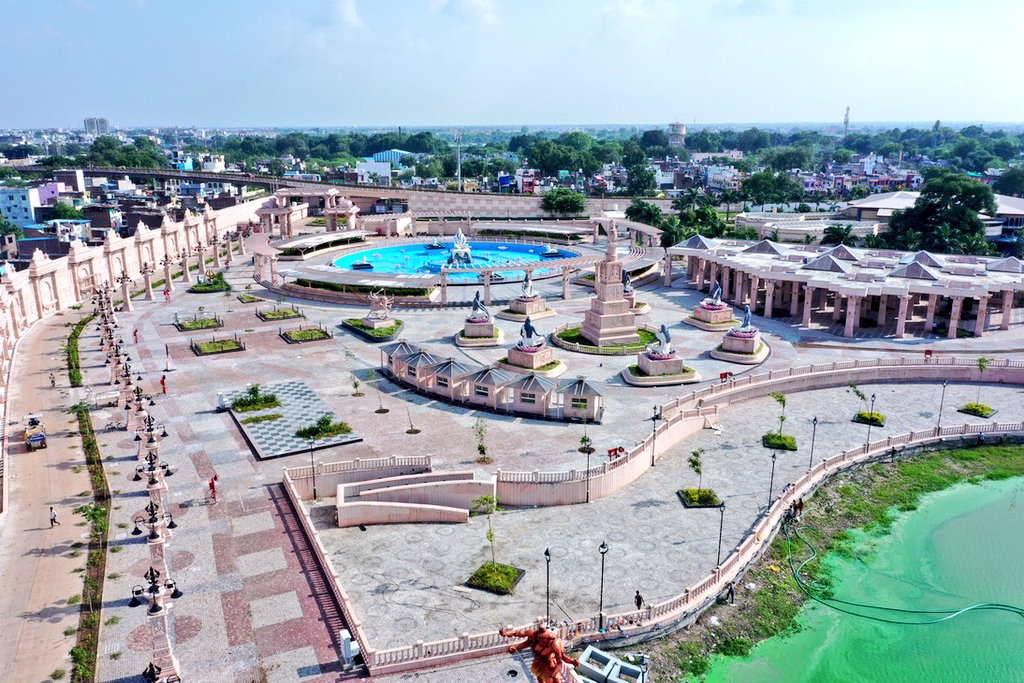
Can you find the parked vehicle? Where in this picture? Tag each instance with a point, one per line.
(35, 433)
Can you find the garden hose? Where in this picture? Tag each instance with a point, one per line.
(814, 593)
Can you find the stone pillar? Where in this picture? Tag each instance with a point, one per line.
(444, 288)
(701, 270)
(901, 317)
(168, 281)
(982, 321)
(726, 277)
(769, 298)
(755, 285)
(954, 316)
(808, 305)
(794, 298)
(147, 278)
(332, 222)
(883, 304)
(929, 318)
(216, 253)
(852, 310)
(201, 251)
(241, 245)
(837, 306)
(737, 287)
(667, 270)
(712, 274)
(1004, 319)
(691, 269)
(126, 295)
(487, 288)
(565, 284)
(186, 274)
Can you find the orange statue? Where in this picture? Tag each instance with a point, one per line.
(548, 652)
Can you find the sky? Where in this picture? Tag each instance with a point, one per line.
(340, 63)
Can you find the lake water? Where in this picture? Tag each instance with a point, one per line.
(962, 546)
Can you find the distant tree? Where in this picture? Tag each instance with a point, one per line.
(730, 197)
(787, 158)
(644, 212)
(1010, 182)
(633, 154)
(858, 192)
(561, 201)
(704, 141)
(654, 138)
(641, 181)
(842, 156)
(945, 216)
(838, 234)
(752, 140)
(65, 211)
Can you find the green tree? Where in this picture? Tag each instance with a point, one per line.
(838, 234)
(9, 228)
(945, 216)
(1010, 182)
(65, 211)
(696, 463)
(730, 197)
(780, 398)
(983, 363)
(486, 505)
(561, 201)
(842, 156)
(786, 158)
(858, 192)
(644, 212)
(641, 181)
(760, 187)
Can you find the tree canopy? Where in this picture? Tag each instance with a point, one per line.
(945, 217)
(562, 201)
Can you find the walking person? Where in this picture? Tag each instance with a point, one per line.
(53, 517)
(639, 600)
(167, 295)
(135, 335)
(213, 487)
(799, 507)
(53, 380)
(730, 593)
(163, 383)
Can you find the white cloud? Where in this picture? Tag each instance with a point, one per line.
(485, 10)
(347, 13)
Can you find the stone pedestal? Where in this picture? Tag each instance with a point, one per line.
(659, 366)
(519, 308)
(707, 318)
(477, 333)
(743, 349)
(376, 323)
(520, 360)
(655, 371)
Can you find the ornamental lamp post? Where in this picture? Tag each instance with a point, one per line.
(942, 401)
(771, 481)
(312, 467)
(721, 523)
(871, 417)
(814, 433)
(547, 587)
(603, 549)
(654, 433)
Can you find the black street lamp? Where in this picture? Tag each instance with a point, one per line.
(721, 523)
(312, 466)
(547, 589)
(771, 482)
(942, 402)
(871, 413)
(603, 549)
(814, 433)
(654, 433)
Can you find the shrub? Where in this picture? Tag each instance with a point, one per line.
(74, 363)
(978, 409)
(361, 289)
(261, 418)
(214, 283)
(495, 577)
(866, 417)
(699, 497)
(254, 399)
(323, 428)
(783, 442)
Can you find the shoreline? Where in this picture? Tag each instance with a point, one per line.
(865, 498)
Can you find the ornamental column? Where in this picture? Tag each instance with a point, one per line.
(794, 298)
(901, 317)
(954, 317)
(769, 298)
(883, 305)
(565, 284)
(755, 284)
(982, 321)
(1004, 319)
(837, 306)
(929, 318)
(737, 287)
(667, 270)
(808, 305)
(726, 273)
(852, 310)
(444, 288)
(487, 288)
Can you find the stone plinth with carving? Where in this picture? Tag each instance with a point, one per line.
(377, 323)
(656, 370)
(610, 320)
(533, 360)
(709, 316)
(521, 307)
(478, 333)
(741, 346)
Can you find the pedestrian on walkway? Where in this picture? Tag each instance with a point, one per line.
(53, 380)
(730, 593)
(639, 600)
(167, 294)
(53, 517)
(163, 383)
(213, 487)
(135, 335)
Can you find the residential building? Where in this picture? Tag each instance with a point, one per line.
(19, 204)
(374, 172)
(96, 126)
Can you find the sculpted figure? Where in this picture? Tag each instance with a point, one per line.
(746, 317)
(548, 652)
(664, 345)
(528, 292)
(479, 312)
(716, 293)
(528, 336)
(380, 305)
(627, 281)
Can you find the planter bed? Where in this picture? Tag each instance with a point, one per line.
(199, 324)
(866, 418)
(382, 334)
(692, 500)
(279, 314)
(783, 442)
(248, 298)
(302, 336)
(977, 410)
(497, 578)
(213, 348)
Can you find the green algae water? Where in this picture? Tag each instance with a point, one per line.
(962, 546)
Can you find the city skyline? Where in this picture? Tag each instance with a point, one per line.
(351, 63)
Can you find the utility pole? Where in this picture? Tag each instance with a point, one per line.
(458, 159)
(846, 121)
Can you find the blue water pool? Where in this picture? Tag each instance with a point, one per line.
(425, 259)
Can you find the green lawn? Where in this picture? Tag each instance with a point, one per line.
(868, 418)
(379, 332)
(218, 346)
(361, 289)
(573, 335)
(262, 418)
(324, 428)
(281, 314)
(699, 497)
(978, 409)
(200, 324)
(248, 298)
(637, 372)
(214, 283)
(254, 399)
(311, 334)
(495, 577)
(544, 368)
(783, 442)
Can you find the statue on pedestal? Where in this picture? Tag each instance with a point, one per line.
(715, 300)
(479, 313)
(528, 336)
(745, 327)
(627, 282)
(527, 288)
(548, 652)
(664, 345)
(380, 305)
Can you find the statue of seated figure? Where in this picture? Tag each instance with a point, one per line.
(529, 338)
(479, 313)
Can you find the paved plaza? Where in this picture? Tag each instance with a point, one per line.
(255, 604)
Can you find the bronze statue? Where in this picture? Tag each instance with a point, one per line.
(548, 652)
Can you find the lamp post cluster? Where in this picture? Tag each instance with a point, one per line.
(602, 551)
(160, 589)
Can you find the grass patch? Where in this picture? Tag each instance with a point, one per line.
(199, 324)
(977, 409)
(112, 621)
(379, 332)
(280, 314)
(58, 674)
(254, 399)
(361, 289)
(637, 372)
(324, 428)
(214, 283)
(869, 498)
(699, 497)
(782, 442)
(116, 549)
(311, 334)
(868, 418)
(249, 298)
(574, 335)
(74, 362)
(544, 368)
(495, 577)
(261, 418)
(74, 599)
(70, 631)
(113, 576)
(219, 346)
